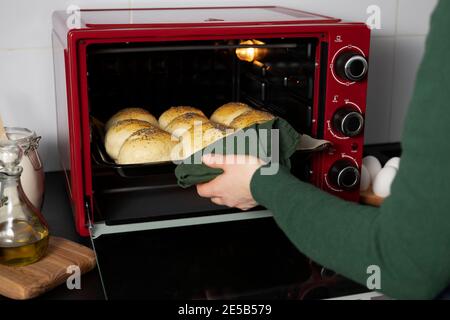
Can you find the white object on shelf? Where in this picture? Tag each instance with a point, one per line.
(394, 162)
(383, 182)
(365, 178)
(373, 165)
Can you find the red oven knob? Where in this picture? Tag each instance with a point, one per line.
(344, 175)
(348, 122)
(352, 66)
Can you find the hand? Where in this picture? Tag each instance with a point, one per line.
(232, 188)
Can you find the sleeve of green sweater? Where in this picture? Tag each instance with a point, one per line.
(409, 236)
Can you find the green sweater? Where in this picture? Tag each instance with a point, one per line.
(409, 236)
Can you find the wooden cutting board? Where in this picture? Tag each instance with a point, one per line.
(30, 281)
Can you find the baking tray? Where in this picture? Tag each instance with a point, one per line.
(101, 158)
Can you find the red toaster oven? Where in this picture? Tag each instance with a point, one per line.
(313, 73)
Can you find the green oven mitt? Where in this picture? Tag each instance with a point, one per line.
(258, 140)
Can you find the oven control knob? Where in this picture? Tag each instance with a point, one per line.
(344, 175)
(348, 121)
(352, 66)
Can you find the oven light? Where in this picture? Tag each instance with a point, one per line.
(250, 54)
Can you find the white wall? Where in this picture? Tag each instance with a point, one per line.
(26, 74)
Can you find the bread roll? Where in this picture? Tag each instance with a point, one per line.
(250, 118)
(119, 133)
(201, 136)
(184, 122)
(147, 146)
(228, 112)
(131, 114)
(174, 112)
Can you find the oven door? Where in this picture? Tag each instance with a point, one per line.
(247, 259)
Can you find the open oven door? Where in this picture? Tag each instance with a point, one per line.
(238, 259)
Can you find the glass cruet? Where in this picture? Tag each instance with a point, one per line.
(23, 231)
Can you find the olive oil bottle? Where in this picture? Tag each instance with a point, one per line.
(23, 231)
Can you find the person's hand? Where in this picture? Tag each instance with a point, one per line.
(232, 188)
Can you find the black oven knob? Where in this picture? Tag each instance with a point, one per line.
(344, 175)
(348, 121)
(352, 66)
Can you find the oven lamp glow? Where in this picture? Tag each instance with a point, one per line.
(250, 54)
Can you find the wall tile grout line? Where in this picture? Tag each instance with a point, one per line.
(24, 49)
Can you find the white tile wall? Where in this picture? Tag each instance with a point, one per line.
(26, 96)
(26, 76)
(408, 54)
(413, 16)
(28, 23)
(379, 95)
(412, 27)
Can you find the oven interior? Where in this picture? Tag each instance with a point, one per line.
(276, 75)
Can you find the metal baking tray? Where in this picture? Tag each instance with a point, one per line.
(101, 158)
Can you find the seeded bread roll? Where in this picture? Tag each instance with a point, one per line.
(228, 112)
(183, 123)
(174, 112)
(131, 114)
(119, 133)
(201, 136)
(147, 146)
(250, 118)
